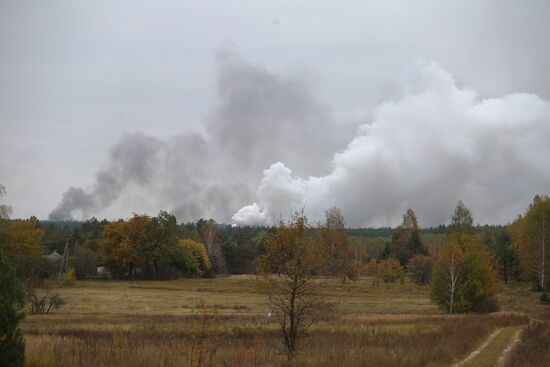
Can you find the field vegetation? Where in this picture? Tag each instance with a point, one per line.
(224, 322)
(149, 291)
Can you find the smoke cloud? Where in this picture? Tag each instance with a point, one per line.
(272, 143)
(437, 144)
(261, 117)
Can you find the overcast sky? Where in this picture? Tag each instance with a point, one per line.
(244, 110)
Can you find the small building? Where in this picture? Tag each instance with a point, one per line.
(53, 257)
(102, 271)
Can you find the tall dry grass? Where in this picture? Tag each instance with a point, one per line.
(208, 339)
(534, 347)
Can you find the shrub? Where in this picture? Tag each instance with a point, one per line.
(372, 269)
(70, 276)
(533, 348)
(44, 303)
(420, 268)
(391, 270)
(545, 298)
(12, 345)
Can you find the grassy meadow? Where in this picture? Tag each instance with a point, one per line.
(224, 322)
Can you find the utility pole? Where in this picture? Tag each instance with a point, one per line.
(64, 261)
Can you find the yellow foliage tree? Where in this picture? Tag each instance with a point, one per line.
(531, 235)
(21, 238)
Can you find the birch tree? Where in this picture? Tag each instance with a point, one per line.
(447, 277)
(210, 237)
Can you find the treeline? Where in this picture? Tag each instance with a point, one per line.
(146, 247)
(142, 247)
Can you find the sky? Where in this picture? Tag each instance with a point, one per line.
(245, 111)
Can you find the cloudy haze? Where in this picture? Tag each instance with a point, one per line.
(244, 110)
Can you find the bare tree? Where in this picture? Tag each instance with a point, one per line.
(286, 276)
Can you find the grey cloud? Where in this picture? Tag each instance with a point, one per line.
(78, 74)
(261, 116)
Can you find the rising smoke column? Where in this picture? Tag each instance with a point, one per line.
(437, 144)
(260, 117)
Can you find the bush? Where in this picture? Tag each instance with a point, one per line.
(486, 305)
(391, 270)
(70, 276)
(44, 303)
(420, 268)
(12, 345)
(545, 298)
(372, 269)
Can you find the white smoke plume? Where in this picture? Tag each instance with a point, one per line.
(437, 144)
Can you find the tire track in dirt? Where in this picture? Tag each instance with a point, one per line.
(478, 350)
(500, 356)
(515, 340)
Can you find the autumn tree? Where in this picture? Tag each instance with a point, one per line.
(150, 247)
(121, 252)
(461, 223)
(532, 234)
(420, 268)
(190, 258)
(21, 244)
(286, 271)
(462, 278)
(390, 270)
(22, 238)
(373, 270)
(447, 277)
(479, 282)
(333, 241)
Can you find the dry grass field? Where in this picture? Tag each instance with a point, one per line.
(224, 322)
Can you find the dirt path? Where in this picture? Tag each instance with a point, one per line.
(474, 354)
(494, 350)
(516, 338)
